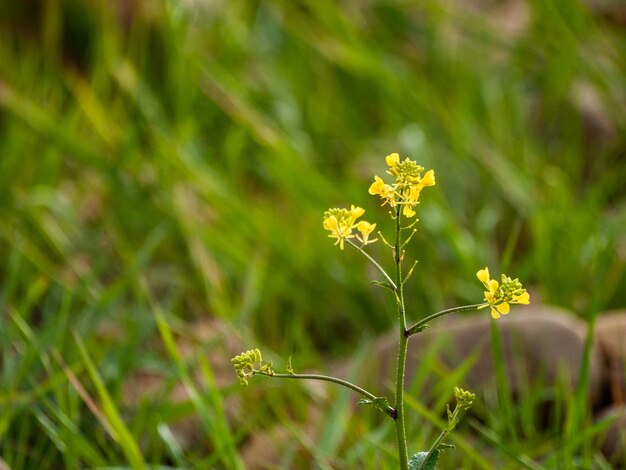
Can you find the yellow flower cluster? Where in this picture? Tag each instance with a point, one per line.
(342, 222)
(499, 296)
(407, 187)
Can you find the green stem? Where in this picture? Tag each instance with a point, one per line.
(432, 449)
(402, 350)
(423, 324)
(373, 261)
(326, 378)
(452, 422)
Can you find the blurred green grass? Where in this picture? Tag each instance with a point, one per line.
(181, 155)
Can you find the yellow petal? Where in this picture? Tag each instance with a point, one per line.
(365, 227)
(429, 178)
(493, 286)
(408, 211)
(494, 314)
(362, 225)
(504, 308)
(414, 194)
(356, 212)
(523, 298)
(331, 223)
(483, 276)
(377, 187)
(392, 159)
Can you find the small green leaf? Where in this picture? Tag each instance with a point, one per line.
(417, 462)
(384, 284)
(379, 402)
(413, 331)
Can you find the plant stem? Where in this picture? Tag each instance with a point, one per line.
(432, 449)
(373, 261)
(423, 324)
(452, 422)
(402, 350)
(326, 378)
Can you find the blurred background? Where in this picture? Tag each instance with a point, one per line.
(164, 163)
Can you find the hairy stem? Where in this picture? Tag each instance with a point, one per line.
(452, 422)
(373, 261)
(423, 324)
(326, 378)
(402, 350)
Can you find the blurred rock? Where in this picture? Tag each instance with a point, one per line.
(611, 336)
(539, 343)
(509, 18)
(614, 441)
(611, 11)
(263, 449)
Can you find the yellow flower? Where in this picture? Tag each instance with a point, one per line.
(331, 223)
(392, 160)
(385, 191)
(412, 198)
(356, 212)
(483, 275)
(366, 229)
(378, 186)
(408, 184)
(340, 230)
(341, 222)
(416, 188)
(408, 211)
(499, 297)
(414, 195)
(428, 179)
(523, 298)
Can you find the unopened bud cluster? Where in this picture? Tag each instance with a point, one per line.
(245, 365)
(464, 398)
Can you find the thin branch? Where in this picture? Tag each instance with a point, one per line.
(422, 324)
(373, 261)
(408, 239)
(408, 275)
(326, 378)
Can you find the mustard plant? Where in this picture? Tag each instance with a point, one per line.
(402, 196)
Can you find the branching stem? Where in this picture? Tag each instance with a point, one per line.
(373, 261)
(326, 378)
(423, 324)
(402, 350)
